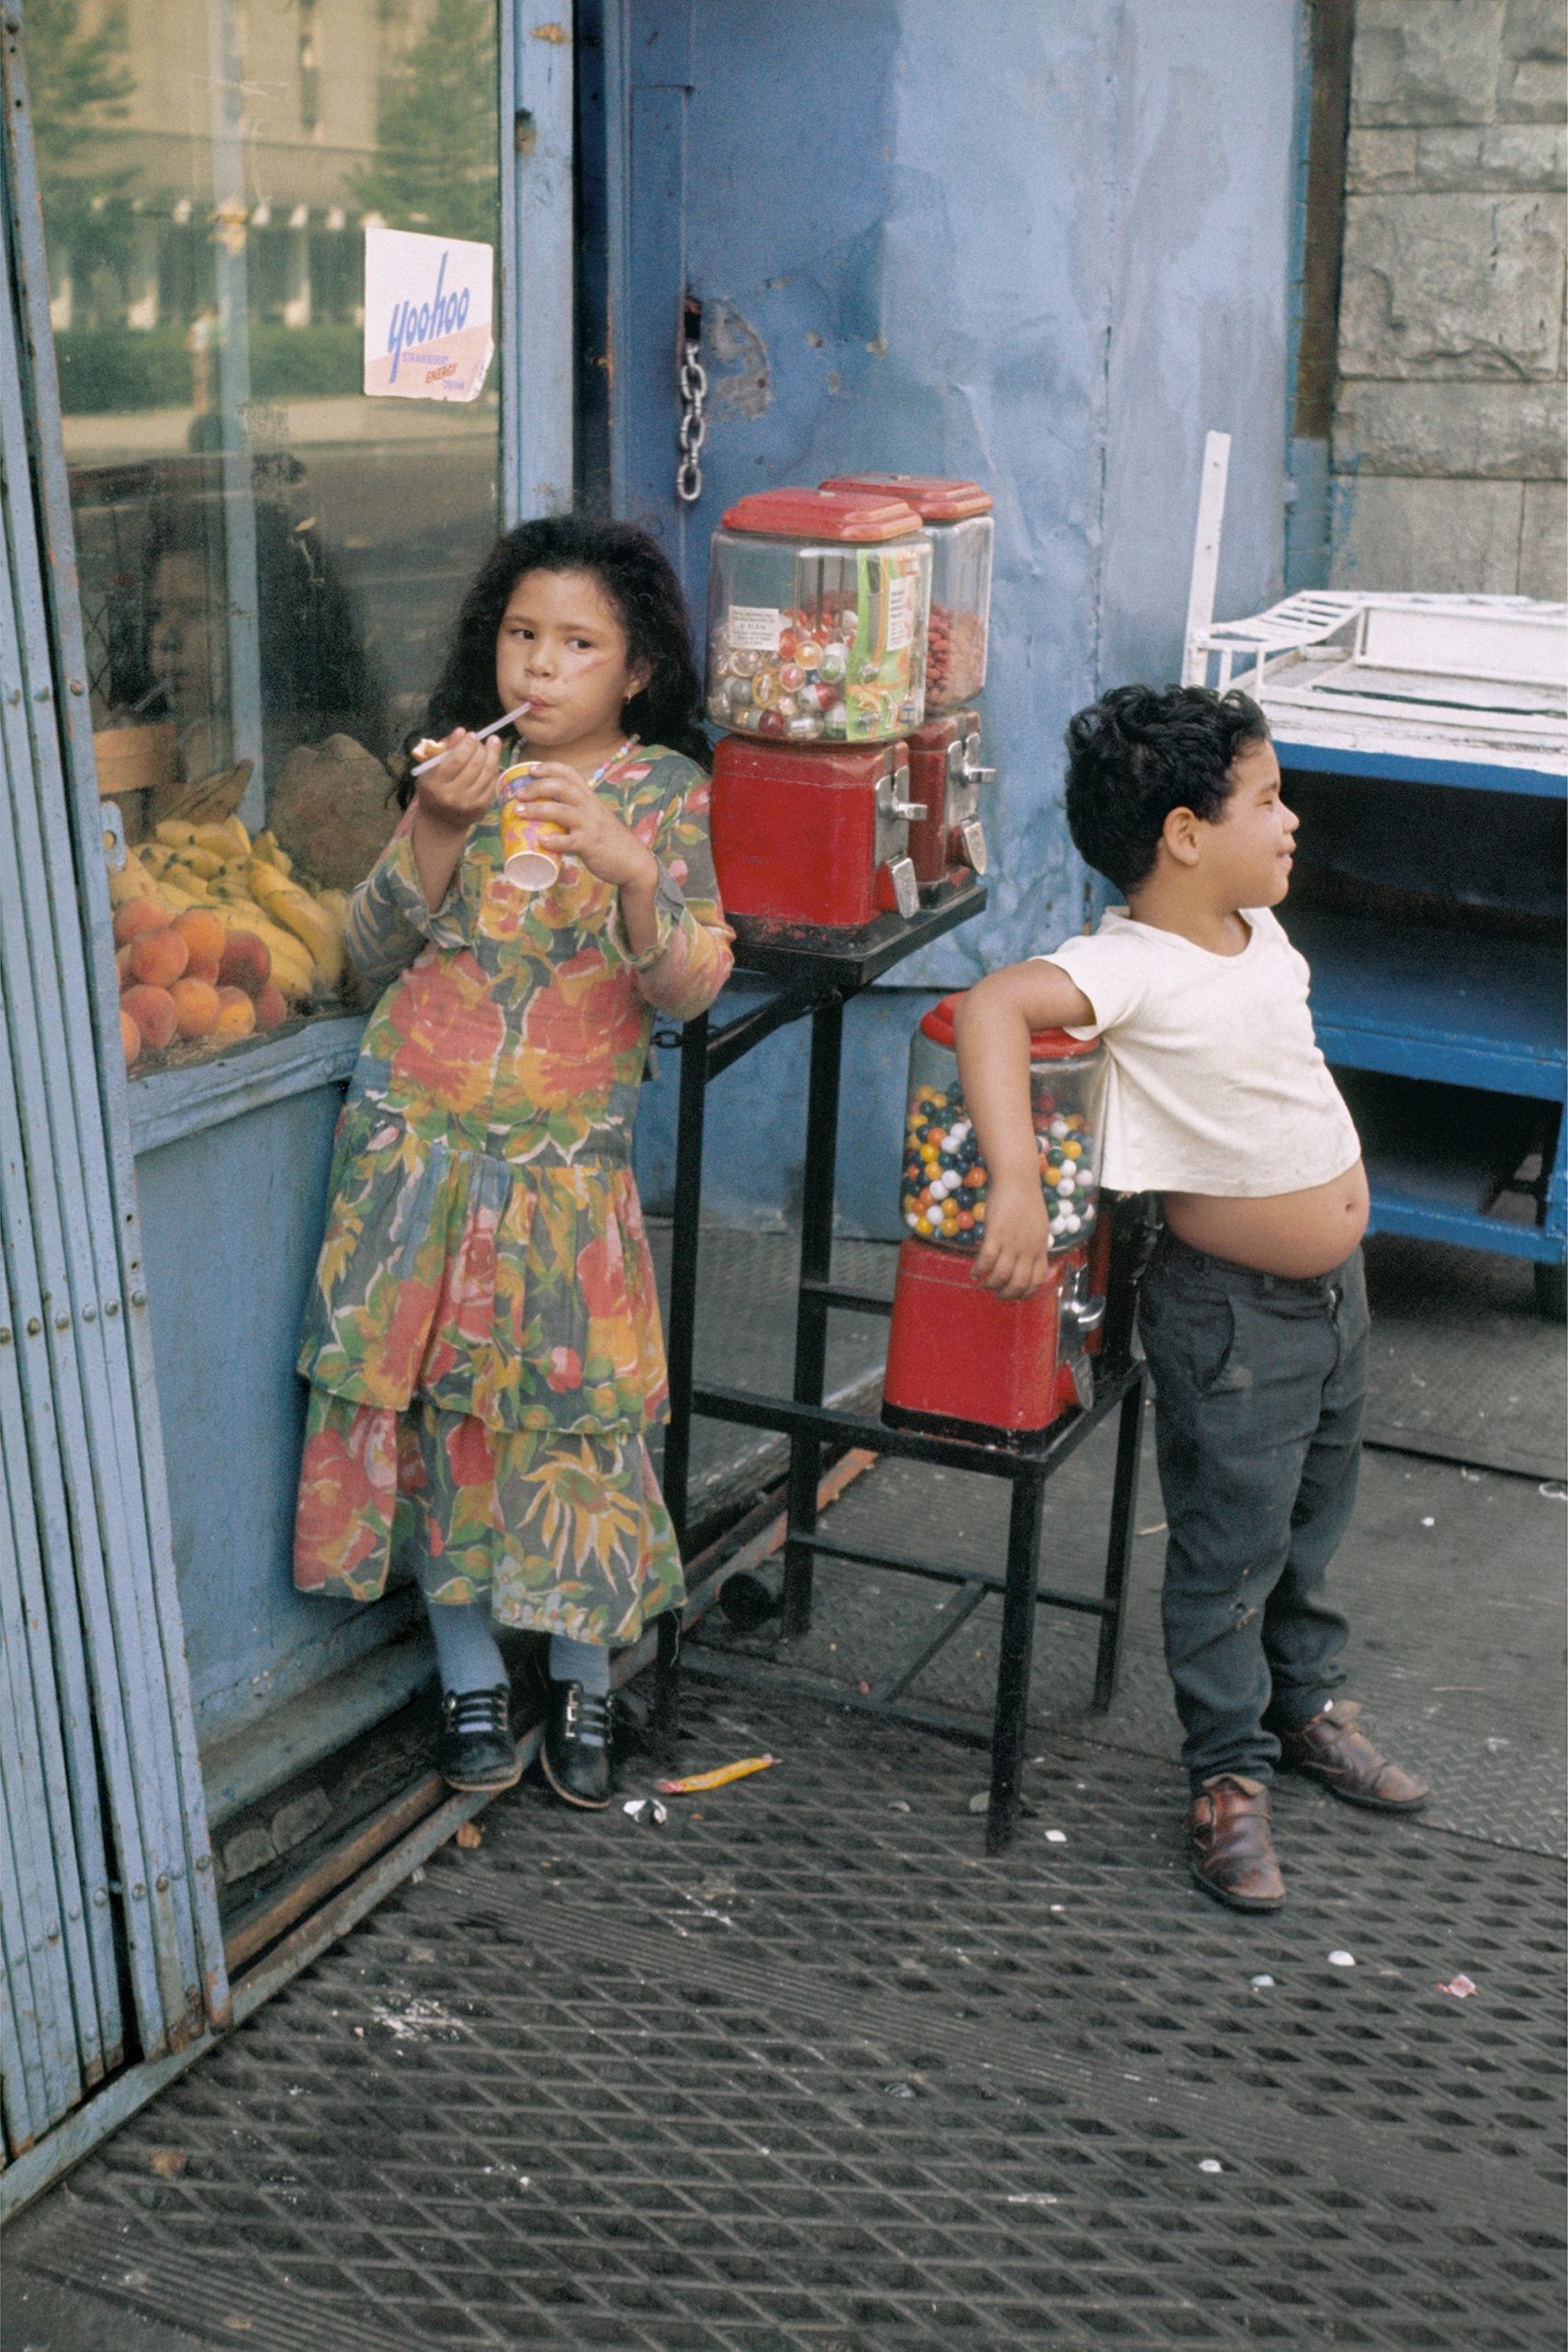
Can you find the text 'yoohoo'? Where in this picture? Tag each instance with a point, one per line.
(413, 325)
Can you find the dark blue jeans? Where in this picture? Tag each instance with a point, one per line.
(1259, 1394)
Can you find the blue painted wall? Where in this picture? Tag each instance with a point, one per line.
(1048, 246)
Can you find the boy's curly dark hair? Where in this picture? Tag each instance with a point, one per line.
(1138, 754)
(640, 582)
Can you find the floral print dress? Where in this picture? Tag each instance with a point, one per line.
(482, 1341)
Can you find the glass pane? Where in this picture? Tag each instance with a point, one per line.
(269, 561)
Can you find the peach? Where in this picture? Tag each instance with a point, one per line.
(272, 1009)
(123, 966)
(205, 940)
(159, 958)
(153, 1010)
(247, 962)
(129, 1037)
(138, 915)
(195, 1007)
(236, 1014)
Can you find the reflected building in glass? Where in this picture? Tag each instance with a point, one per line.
(269, 560)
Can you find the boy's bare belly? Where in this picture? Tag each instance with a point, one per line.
(1295, 1234)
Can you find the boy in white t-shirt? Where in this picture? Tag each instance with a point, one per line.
(1253, 1312)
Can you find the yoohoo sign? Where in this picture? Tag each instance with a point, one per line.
(428, 316)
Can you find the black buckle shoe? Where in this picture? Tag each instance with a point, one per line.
(575, 1752)
(475, 1749)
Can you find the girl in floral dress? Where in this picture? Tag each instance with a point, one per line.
(482, 1342)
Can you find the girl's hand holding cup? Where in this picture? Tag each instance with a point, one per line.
(581, 826)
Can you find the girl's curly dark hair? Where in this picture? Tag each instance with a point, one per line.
(640, 582)
(1138, 754)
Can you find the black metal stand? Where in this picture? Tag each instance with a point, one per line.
(818, 985)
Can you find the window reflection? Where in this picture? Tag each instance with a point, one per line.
(269, 562)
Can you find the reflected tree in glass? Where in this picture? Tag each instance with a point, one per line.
(78, 83)
(437, 169)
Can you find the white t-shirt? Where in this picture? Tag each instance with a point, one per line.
(1217, 1083)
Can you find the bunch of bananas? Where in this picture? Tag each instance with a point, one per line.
(252, 885)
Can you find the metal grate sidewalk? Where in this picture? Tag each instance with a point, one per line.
(803, 2069)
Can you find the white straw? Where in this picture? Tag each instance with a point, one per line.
(493, 728)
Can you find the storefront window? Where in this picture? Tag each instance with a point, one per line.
(269, 561)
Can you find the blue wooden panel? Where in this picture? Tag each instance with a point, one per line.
(232, 1220)
(537, 335)
(1477, 776)
(50, 1772)
(1461, 1225)
(1443, 1162)
(33, 2091)
(1469, 1010)
(166, 1104)
(121, 1648)
(38, 1567)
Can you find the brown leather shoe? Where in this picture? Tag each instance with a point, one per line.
(1333, 1748)
(1233, 1846)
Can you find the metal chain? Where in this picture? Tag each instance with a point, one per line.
(693, 425)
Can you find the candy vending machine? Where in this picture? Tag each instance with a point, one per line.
(817, 650)
(961, 1361)
(948, 843)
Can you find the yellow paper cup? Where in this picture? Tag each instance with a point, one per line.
(526, 860)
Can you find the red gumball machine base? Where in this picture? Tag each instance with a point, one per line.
(963, 1363)
(810, 843)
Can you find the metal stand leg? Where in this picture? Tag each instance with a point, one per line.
(664, 1721)
(686, 1236)
(811, 1319)
(1009, 1723)
(1118, 1551)
(680, 1348)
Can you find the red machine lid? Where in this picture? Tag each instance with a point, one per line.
(933, 499)
(851, 514)
(1045, 1044)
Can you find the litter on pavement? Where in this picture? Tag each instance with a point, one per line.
(697, 1783)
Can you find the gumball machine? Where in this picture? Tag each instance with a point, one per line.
(816, 646)
(960, 1361)
(949, 844)
(947, 847)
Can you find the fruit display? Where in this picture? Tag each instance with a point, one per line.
(217, 939)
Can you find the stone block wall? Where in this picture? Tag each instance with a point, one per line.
(1448, 450)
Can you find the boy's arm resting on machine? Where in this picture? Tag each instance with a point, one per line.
(993, 1026)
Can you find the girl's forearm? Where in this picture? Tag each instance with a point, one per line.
(639, 912)
(691, 970)
(437, 854)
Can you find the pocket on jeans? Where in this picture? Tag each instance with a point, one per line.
(1196, 1338)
